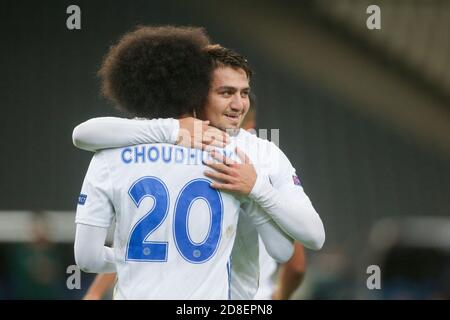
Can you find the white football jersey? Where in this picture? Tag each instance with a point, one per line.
(245, 265)
(269, 160)
(267, 274)
(174, 233)
(253, 269)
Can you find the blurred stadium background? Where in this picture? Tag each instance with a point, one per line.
(363, 115)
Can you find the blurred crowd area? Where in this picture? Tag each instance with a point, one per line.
(413, 264)
(363, 115)
(38, 271)
(37, 266)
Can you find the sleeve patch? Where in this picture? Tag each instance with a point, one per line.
(296, 180)
(82, 199)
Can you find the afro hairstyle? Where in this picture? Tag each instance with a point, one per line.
(158, 72)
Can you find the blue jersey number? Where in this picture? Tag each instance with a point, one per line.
(139, 249)
(202, 251)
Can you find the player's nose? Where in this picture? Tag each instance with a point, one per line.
(237, 103)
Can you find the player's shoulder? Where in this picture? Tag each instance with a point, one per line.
(261, 144)
(108, 158)
(250, 136)
(106, 154)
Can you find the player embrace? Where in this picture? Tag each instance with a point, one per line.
(176, 221)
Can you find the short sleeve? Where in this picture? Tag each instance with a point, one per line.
(95, 200)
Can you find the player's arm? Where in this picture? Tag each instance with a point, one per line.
(94, 215)
(277, 243)
(110, 132)
(291, 208)
(291, 274)
(91, 254)
(101, 284)
(280, 196)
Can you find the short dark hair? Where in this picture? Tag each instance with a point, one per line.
(224, 57)
(158, 71)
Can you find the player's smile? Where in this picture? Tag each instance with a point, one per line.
(234, 118)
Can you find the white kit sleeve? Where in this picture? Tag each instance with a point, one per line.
(282, 197)
(91, 254)
(277, 243)
(95, 205)
(111, 132)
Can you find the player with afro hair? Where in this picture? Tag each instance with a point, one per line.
(161, 72)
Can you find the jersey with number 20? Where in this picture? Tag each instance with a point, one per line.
(174, 233)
